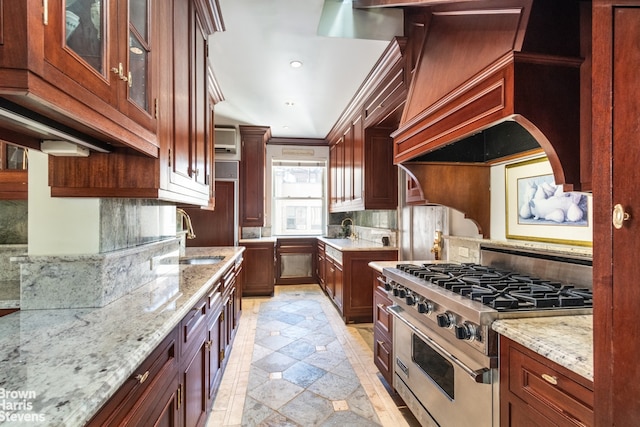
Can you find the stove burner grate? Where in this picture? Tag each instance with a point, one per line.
(500, 289)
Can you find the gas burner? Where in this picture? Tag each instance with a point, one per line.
(499, 289)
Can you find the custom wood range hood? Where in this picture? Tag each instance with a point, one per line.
(493, 79)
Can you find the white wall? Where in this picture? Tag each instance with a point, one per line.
(59, 226)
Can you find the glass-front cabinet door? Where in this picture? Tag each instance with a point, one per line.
(105, 47)
(138, 96)
(12, 157)
(79, 35)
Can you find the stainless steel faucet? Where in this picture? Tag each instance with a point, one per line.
(185, 217)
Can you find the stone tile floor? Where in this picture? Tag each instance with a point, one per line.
(295, 363)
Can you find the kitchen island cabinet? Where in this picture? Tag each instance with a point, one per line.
(121, 337)
(348, 277)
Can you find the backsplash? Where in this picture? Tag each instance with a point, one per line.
(127, 223)
(13, 222)
(10, 271)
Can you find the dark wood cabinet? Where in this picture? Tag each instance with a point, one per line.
(88, 66)
(536, 391)
(252, 170)
(321, 264)
(151, 391)
(182, 171)
(193, 357)
(177, 383)
(13, 172)
(215, 227)
(616, 30)
(259, 268)
(382, 329)
(335, 282)
(348, 280)
(361, 170)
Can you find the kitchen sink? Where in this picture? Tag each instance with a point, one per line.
(201, 260)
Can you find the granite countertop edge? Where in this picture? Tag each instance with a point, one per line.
(356, 245)
(342, 244)
(73, 360)
(565, 340)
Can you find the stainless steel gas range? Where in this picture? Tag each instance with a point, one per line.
(445, 352)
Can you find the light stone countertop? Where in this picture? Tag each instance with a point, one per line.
(9, 294)
(356, 245)
(69, 362)
(341, 244)
(566, 340)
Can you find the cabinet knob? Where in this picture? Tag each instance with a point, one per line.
(550, 379)
(619, 216)
(142, 377)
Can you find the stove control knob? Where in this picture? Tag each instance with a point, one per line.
(410, 299)
(425, 307)
(445, 320)
(388, 286)
(466, 331)
(396, 290)
(402, 292)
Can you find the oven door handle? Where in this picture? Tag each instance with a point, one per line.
(480, 375)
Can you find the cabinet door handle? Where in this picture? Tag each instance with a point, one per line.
(619, 216)
(550, 379)
(142, 377)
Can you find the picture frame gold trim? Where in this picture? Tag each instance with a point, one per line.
(560, 233)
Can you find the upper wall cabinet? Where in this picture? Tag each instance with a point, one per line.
(13, 172)
(86, 65)
(187, 93)
(361, 171)
(252, 170)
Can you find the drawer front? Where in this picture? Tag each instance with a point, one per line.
(193, 326)
(159, 368)
(381, 317)
(382, 354)
(547, 390)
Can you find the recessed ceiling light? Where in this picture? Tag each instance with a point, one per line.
(289, 103)
(295, 64)
(285, 127)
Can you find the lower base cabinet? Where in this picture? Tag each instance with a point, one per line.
(348, 281)
(382, 329)
(176, 384)
(535, 391)
(259, 271)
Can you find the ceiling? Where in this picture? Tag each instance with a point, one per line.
(337, 45)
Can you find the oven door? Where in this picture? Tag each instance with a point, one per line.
(439, 384)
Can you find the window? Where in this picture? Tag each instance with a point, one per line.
(298, 198)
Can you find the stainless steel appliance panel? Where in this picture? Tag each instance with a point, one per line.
(449, 388)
